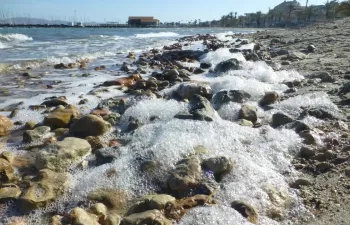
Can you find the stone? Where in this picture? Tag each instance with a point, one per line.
(30, 125)
(299, 126)
(201, 108)
(224, 97)
(56, 220)
(61, 117)
(55, 102)
(125, 67)
(323, 75)
(10, 193)
(148, 217)
(113, 219)
(171, 75)
(81, 217)
(188, 90)
(100, 210)
(249, 113)
(112, 198)
(252, 57)
(59, 132)
(280, 119)
(89, 125)
(106, 155)
(301, 182)
(296, 56)
(38, 134)
(269, 98)
(231, 64)
(245, 123)
(14, 113)
(347, 171)
(311, 48)
(5, 125)
(62, 154)
(150, 202)
(246, 210)
(220, 166)
(95, 143)
(323, 167)
(318, 113)
(244, 42)
(306, 152)
(44, 189)
(198, 71)
(7, 172)
(205, 65)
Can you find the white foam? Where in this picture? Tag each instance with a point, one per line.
(159, 34)
(15, 37)
(222, 54)
(2, 45)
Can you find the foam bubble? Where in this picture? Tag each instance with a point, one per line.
(222, 54)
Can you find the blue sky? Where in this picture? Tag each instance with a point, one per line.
(119, 10)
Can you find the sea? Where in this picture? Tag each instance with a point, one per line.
(262, 170)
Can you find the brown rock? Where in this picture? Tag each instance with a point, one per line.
(5, 125)
(10, 193)
(89, 125)
(112, 198)
(7, 172)
(248, 211)
(62, 117)
(81, 217)
(269, 98)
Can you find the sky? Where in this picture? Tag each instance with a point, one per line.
(120, 10)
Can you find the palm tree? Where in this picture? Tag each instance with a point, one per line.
(258, 18)
(343, 8)
(230, 15)
(235, 18)
(308, 13)
(330, 8)
(290, 10)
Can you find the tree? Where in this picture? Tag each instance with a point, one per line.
(343, 8)
(290, 10)
(235, 18)
(330, 9)
(230, 15)
(309, 13)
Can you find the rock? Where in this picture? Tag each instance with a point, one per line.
(318, 113)
(285, 63)
(344, 89)
(323, 167)
(100, 210)
(235, 50)
(106, 155)
(347, 171)
(30, 125)
(269, 98)
(171, 75)
(244, 42)
(56, 220)
(14, 113)
(148, 217)
(224, 97)
(249, 113)
(198, 71)
(323, 75)
(301, 182)
(55, 102)
(252, 57)
(38, 134)
(188, 90)
(61, 117)
(37, 107)
(95, 143)
(220, 166)
(125, 67)
(282, 52)
(59, 132)
(308, 136)
(112, 198)
(201, 108)
(231, 64)
(245, 123)
(60, 66)
(81, 217)
(205, 65)
(113, 219)
(150, 202)
(89, 125)
(5, 125)
(44, 189)
(311, 48)
(60, 155)
(299, 126)
(248, 211)
(280, 119)
(296, 56)
(9, 193)
(7, 172)
(306, 152)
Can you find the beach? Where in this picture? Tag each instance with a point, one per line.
(175, 126)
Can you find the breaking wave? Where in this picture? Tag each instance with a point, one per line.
(160, 34)
(15, 37)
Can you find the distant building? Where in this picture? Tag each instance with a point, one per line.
(142, 21)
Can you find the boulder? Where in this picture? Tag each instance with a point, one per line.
(5, 125)
(112, 198)
(245, 123)
(10, 193)
(38, 134)
(188, 90)
(62, 154)
(248, 211)
(106, 155)
(44, 189)
(249, 113)
(100, 210)
(301, 182)
(280, 119)
(80, 217)
(323, 75)
(95, 142)
(296, 56)
(231, 64)
(220, 166)
(150, 202)
(269, 98)
(201, 108)
(204, 65)
(61, 117)
(252, 57)
(148, 217)
(125, 67)
(171, 75)
(7, 172)
(89, 125)
(55, 102)
(224, 97)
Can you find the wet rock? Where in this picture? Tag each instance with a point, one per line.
(150, 202)
(318, 113)
(125, 67)
(60, 132)
(245, 123)
(37, 107)
(252, 57)
(100, 210)
(60, 66)
(80, 217)
(244, 42)
(14, 113)
(248, 211)
(201, 108)
(30, 125)
(296, 56)
(347, 171)
(188, 90)
(55, 102)
(5, 125)
(205, 65)
(235, 50)
(323, 167)
(323, 75)
(148, 217)
(220, 166)
(60, 155)
(89, 125)
(344, 89)
(311, 48)
(224, 97)
(112, 198)
(299, 126)
(106, 155)
(308, 136)
(269, 98)
(61, 117)
(306, 152)
(301, 182)
(44, 189)
(9, 193)
(7, 172)
(198, 71)
(280, 119)
(38, 134)
(95, 143)
(249, 113)
(231, 64)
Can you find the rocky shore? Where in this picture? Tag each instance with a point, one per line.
(244, 129)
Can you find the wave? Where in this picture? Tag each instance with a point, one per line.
(15, 37)
(113, 37)
(160, 34)
(2, 45)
